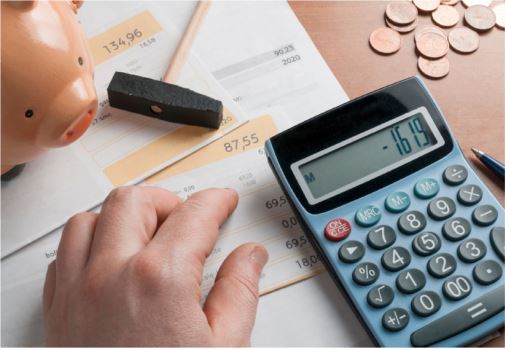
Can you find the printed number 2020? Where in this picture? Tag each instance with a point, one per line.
(291, 59)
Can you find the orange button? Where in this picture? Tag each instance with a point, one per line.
(337, 229)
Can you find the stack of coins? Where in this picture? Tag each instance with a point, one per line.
(432, 42)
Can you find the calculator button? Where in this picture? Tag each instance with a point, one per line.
(471, 250)
(426, 243)
(456, 229)
(461, 319)
(380, 296)
(381, 237)
(367, 216)
(410, 281)
(395, 259)
(426, 188)
(442, 265)
(426, 303)
(397, 202)
(497, 237)
(351, 252)
(337, 229)
(457, 287)
(469, 195)
(487, 272)
(455, 175)
(412, 222)
(441, 208)
(484, 215)
(395, 319)
(365, 273)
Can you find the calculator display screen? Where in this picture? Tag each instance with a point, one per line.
(367, 155)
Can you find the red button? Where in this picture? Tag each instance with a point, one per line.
(337, 229)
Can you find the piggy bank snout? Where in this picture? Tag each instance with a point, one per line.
(69, 115)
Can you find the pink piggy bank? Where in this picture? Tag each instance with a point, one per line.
(48, 93)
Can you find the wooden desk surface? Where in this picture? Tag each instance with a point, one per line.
(472, 96)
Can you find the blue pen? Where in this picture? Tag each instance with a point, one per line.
(494, 165)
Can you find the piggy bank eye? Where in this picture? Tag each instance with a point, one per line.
(29, 113)
(80, 60)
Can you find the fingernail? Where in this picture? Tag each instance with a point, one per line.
(259, 255)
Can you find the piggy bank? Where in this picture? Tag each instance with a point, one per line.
(48, 93)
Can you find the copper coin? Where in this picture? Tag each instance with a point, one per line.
(469, 3)
(449, 2)
(385, 40)
(428, 29)
(432, 45)
(427, 5)
(463, 40)
(402, 29)
(433, 68)
(401, 12)
(445, 16)
(480, 17)
(499, 11)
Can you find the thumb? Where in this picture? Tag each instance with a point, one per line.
(232, 302)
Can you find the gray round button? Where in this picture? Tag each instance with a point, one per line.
(455, 175)
(380, 296)
(381, 237)
(456, 229)
(471, 250)
(441, 208)
(484, 215)
(412, 222)
(410, 281)
(395, 319)
(469, 195)
(395, 259)
(457, 287)
(487, 272)
(426, 243)
(351, 251)
(426, 303)
(365, 273)
(497, 237)
(442, 265)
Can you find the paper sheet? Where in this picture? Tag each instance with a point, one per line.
(120, 147)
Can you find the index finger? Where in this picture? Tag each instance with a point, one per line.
(191, 230)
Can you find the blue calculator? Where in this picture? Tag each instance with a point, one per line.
(413, 237)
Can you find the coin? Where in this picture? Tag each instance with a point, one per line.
(402, 29)
(463, 40)
(449, 2)
(469, 3)
(480, 17)
(385, 40)
(433, 68)
(428, 29)
(427, 5)
(445, 16)
(499, 11)
(432, 45)
(401, 12)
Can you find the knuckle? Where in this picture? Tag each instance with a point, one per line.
(148, 269)
(92, 286)
(77, 219)
(247, 289)
(123, 194)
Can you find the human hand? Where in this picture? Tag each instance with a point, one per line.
(131, 275)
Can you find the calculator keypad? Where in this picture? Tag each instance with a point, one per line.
(395, 259)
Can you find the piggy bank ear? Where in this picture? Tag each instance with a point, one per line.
(21, 5)
(76, 4)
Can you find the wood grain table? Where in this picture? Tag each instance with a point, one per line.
(472, 96)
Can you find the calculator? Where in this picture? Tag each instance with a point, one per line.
(404, 226)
